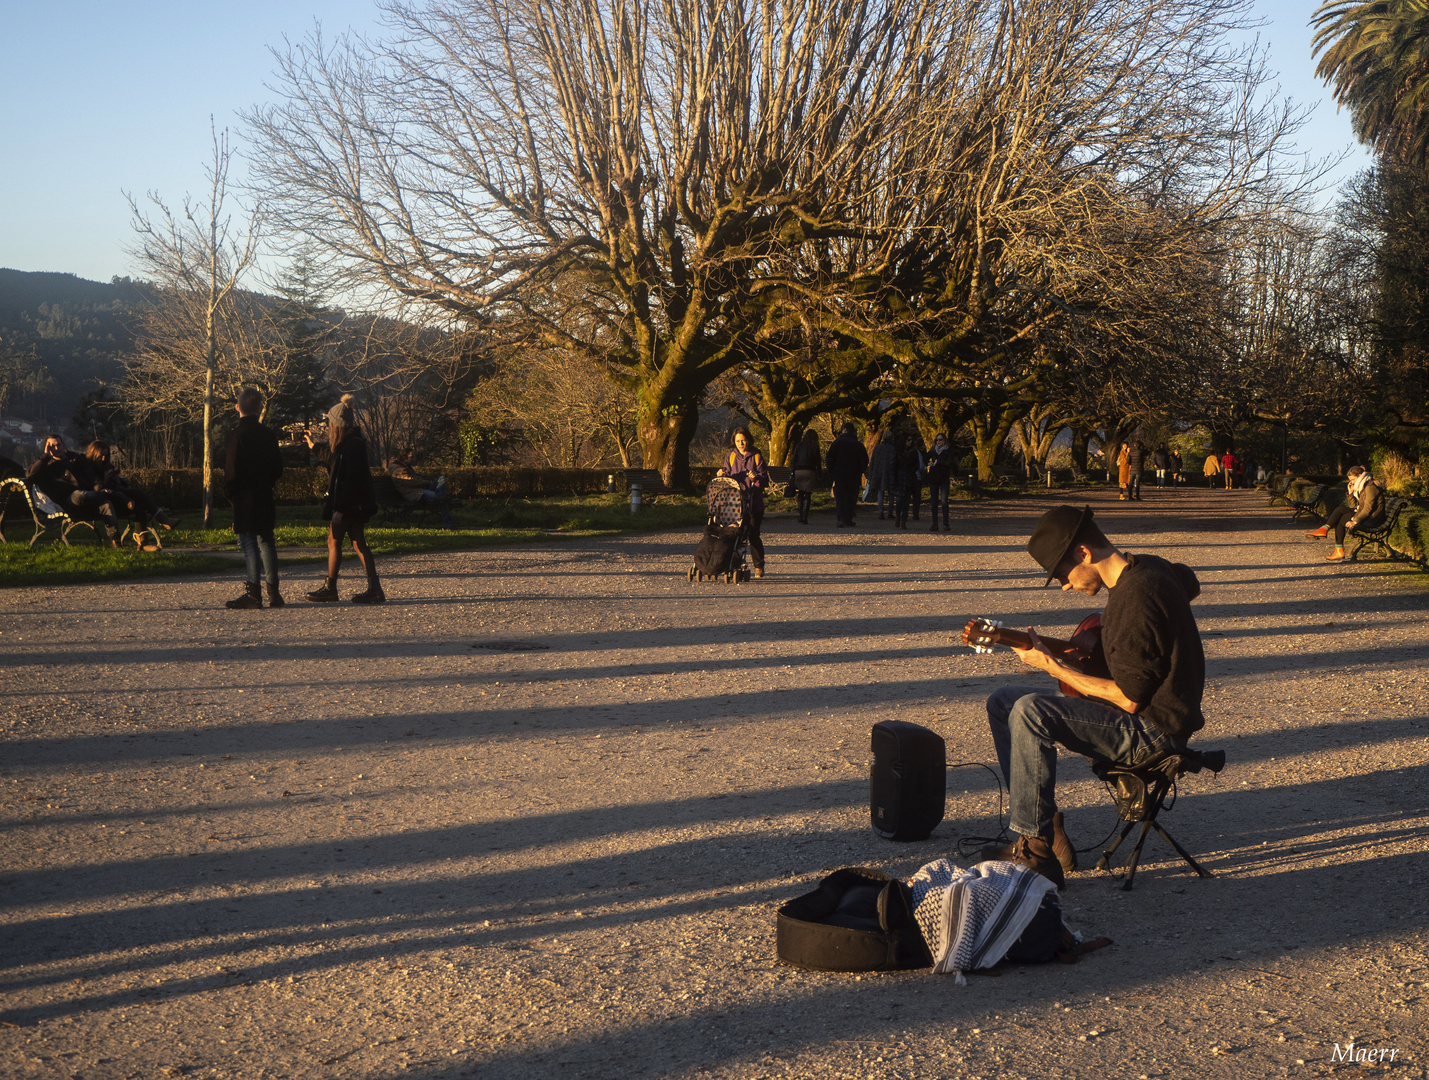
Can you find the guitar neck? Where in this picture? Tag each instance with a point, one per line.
(1016, 639)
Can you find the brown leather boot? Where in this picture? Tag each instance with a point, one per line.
(1061, 846)
(251, 598)
(1034, 852)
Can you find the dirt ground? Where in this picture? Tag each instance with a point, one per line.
(535, 815)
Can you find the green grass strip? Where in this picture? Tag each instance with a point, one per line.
(55, 564)
(479, 525)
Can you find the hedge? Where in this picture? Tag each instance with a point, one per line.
(183, 489)
(1410, 537)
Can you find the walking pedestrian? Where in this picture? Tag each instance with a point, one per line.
(1229, 464)
(805, 465)
(1135, 462)
(906, 478)
(1161, 462)
(251, 466)
(350, 501)
(847, 461)
(746, 465)
(880, 473)
(940, 470)
(1211, 470)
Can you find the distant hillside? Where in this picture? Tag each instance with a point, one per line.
(79, 328)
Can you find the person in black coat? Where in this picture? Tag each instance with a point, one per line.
(846, 461)
(1136, 459)
(350, 501)
(126, 497)
(1161, 462)
(907, 478)
(940, 471)
(251, 466)
(66, 479)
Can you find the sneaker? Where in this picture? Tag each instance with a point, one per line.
(325, 595)
(373, 595)
(1061, 846)
(1033, 852)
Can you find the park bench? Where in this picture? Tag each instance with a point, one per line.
(648, 481)
(391, 505)
(1276, 488)
(44, 512)
(1379, 535)
(1310, 504)
(779, 475)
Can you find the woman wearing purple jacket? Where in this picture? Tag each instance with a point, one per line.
(746, 465)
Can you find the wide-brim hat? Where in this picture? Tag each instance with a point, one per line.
(1054, 536)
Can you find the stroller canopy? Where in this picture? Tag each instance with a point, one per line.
(726, 501)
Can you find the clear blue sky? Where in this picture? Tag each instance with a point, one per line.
(100, 98)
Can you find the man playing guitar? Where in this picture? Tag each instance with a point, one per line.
(1149, 706)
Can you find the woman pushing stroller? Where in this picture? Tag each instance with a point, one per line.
(745, 465)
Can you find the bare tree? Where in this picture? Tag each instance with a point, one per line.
(192, 262)
(652, 164)
(568, 413)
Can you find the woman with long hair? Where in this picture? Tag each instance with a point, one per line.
(746, 465)
(126, 499)
(805, 465)
(350, 501)
(1365, 507)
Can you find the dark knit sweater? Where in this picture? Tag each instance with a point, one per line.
(1153, 648)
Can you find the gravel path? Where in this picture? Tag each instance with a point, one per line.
(534, 816)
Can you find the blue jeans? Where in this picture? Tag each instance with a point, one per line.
(1028, 724)
(437, 493)
(256, 547)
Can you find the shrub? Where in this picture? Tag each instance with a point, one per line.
(182, 489)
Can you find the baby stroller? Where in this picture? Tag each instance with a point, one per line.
(722, 547)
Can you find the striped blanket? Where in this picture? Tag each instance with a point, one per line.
(970, 918)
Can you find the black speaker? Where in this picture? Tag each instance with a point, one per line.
(908, 782)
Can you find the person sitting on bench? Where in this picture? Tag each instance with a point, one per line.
(126, 498)
(1365, 508)
(414, 488)
(67, 480)
(1148, 707)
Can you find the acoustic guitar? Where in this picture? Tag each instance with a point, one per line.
(1083, 652)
